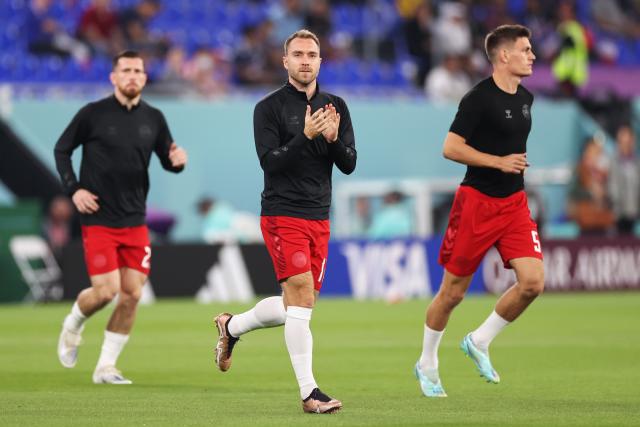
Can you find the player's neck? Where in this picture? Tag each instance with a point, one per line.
(127, 102)
(506, 82)
(308, 89)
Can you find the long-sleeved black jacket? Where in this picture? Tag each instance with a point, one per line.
(297, 171)
(116, 149)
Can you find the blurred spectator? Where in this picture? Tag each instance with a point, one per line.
(418, 27)
(217, 219)
(394, 219)
(378, 39)
(46, 36)
(440, 213)
(355, 34)
(318, 20)
(254, 64)
(452, 34)
(173, 80)
(287, 17)
(539, 18)
(99, 28)
(135, 29)
(613, 17)
(160, 223)
(406, 9)
(361, 220)
(496, 13)
(448, 82)
(571, 65)
(624, 181)
(57, 227)
(208, 72)
(589, 204)
(222, 224)
(536, 208)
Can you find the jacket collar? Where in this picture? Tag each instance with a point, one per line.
(124, 107)
(292, 89)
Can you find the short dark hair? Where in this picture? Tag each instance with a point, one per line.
(502, 34)
(300, 34)
(125, 54)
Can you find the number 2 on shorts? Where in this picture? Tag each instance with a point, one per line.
(145, 261)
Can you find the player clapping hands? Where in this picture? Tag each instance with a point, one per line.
(325, 121)
(331, 132)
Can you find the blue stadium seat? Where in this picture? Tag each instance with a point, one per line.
(348, 18)
(517, 8)
(627, 52)
(583, 10)
(9, 67)
(219, 24)
(329, 74)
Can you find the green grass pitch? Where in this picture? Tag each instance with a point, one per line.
(570, 360)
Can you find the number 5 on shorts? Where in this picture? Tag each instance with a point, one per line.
(145, 261)
(536, 241)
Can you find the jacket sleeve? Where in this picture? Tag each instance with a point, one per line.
(343, 151)
(273, 157)
(163, 144)
(74, 135)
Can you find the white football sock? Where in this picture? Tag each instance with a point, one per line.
(111, 348)
(489, 329)
(297, 336)
(75, 320)
(429, 357)
(265, 314)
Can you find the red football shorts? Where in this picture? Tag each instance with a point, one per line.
(478, 221)
(296, 246)
(107, 249)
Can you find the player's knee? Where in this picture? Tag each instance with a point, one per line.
(306, 303)
(532, 286)
(105, 294)
(131, 297)
(299, 291)
(532, 292)
(301, 297)
(452, 297)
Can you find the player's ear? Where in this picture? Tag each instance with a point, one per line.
(112, 77)
(285, 62)
(504, 55)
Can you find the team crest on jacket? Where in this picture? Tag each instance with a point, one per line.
(525, 111)
(145, 131)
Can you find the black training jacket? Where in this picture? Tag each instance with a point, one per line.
(297, 171)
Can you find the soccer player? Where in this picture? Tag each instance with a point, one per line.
(300, 133)
(489, 135)
(118, 135)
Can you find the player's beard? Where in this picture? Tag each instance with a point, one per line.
(304, 79)
(131, 91)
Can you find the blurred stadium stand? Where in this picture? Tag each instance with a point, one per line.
(365, 27)
(191, 25)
